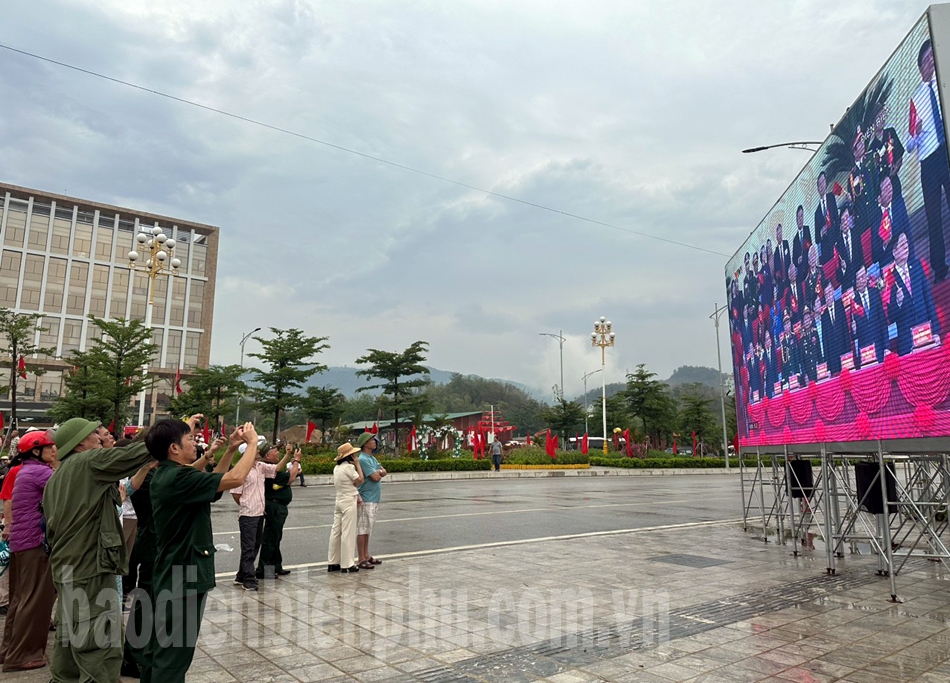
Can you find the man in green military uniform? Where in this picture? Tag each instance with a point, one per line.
(87, 551)
(184, 562)
(277, 496)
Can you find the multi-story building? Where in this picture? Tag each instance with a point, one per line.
(66, 258)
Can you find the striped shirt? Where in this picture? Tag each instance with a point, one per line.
(252, 491)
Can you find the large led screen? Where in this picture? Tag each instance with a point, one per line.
(839, 300)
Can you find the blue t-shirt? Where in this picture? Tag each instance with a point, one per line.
(369, 489)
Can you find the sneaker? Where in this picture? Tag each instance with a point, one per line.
(250, 586)
(333, 567)
(238, 582)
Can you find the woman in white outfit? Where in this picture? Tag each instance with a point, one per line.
(347, 475)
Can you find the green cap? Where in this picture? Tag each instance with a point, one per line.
(364, 437)
(71, 433)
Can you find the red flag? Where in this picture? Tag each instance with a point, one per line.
(178, 381)
(206, 433)
(549, 446)
(626, 438)
(223, 435)
(375, 429)
(554, 443)
(310, 427)
(675, 452)
(584, 444)
(112, 426)
(21, 366)
(1, 422)
(912, 124)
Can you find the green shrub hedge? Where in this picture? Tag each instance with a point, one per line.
(667, 462)
(314, 466)
(536, 456)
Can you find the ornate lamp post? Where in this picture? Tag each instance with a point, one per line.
(603, 337)
(160, 249)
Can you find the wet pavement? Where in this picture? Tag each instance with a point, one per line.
(698, 601)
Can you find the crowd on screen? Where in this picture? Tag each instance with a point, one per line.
(850, 287)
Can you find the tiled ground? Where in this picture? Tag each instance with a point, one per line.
(725, 607)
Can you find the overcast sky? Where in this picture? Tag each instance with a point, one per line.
(630, 113)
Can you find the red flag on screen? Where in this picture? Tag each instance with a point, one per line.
(836, 189)
(310, 427)
(912, 123)
(21, 366)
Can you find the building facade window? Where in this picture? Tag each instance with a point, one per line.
(82, 241)
(39, 228)
(16, 225)
(78, 277)
(9, 277)
(195, 303)
(32, 283)
(72, 335)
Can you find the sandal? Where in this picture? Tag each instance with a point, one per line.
(366, 564)
(373, 560)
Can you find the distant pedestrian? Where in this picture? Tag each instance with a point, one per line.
(496, 448)
(370, 491)
(347, 476)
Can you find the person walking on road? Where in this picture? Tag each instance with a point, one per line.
(370, 491)
(347, 476)
(496, 454)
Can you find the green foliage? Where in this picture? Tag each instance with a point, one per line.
(696, 417)
(564, 418)
(312, 466)
(84, 394)
(211, 392)
(650, 401)
(465, 393)
(618, 415)
(19, 330)
(666, 463)
(400, 377)
(361, 408)
(114, 365)
(323, 404)
(288, 358)
(537, 456)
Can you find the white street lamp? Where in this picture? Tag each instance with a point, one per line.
(159, 248)
(603, 337)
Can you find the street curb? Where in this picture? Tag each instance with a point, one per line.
(406, 477)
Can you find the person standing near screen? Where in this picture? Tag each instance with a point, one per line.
(928, 138)
(911, 301)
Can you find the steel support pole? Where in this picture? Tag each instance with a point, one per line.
(826, 496)
(722, 391)
(886, 521)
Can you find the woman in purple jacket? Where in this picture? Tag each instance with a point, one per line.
(31, 582)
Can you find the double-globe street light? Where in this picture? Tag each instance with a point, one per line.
(560, 341)
(237, 414)
(603, 337)
(160, 249)
(586, 375)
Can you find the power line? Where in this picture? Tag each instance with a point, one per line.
(371, 157)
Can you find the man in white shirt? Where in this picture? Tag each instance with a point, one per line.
(929, 140)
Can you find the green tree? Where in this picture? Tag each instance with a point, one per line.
(18, 331)
(696, 416)
(650, 402)
(618, 414)
(84, 394)
(400, 377)
(324, 404)
(361, 408)
(210, 391)
(289, 360)
(564, 417)
(118, 355)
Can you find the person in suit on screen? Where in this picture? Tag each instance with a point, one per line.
(894, 221)
(834, 325)
(827, 220)
(911, 301)
(810, 345)
(801, 243)
(868, 321)
(863, 188)
(750, 286)
(886, 150)
(769, 365)
(790, 355)
(850, 250)
(929, 139)
(782, 260)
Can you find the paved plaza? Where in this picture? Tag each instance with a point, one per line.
(667, 600)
